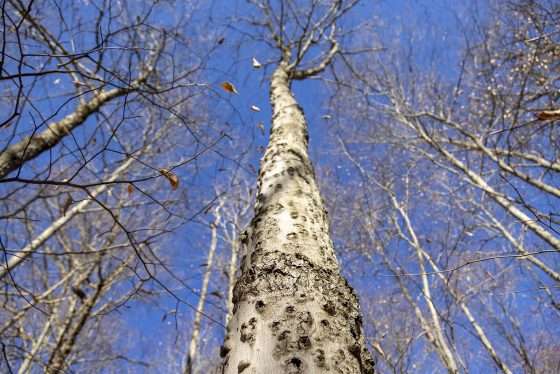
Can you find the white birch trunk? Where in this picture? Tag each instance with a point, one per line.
(293, 311)
(193, 345)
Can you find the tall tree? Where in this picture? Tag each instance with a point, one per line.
(293, 311)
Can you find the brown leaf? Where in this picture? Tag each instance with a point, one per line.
(130, 188)
(66, 204)
(172, 178)
(229, 87)
(546, 115)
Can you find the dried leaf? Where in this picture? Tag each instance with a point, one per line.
(81, 294)
(130, 188)
(546, 115)
(66, 204)
(172, 178)
(255, 108)
(229, 87)
(256, 64)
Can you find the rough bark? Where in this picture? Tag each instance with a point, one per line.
(293, 311)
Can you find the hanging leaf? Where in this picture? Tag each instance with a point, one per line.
(78, 291)
(546, 115)
(229, 87)
(67, 202)
(172, 178)
(255, 108)
(256, 64)
(130, 188)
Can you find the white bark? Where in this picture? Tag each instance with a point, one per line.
(231, 278)
(32, 146)
(293, 311)
(30, 248)
(193, 344)
(443, 347)
(478, 181)
(415, 243)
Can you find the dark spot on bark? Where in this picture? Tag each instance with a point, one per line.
(242, 366)
(354, 349)
(224, 349)
(259, 306)
(244, 237)
(247, 334)
(304, 342)
(325, 323)
(319, 358)
(294, 366)
(290, 309)
(278, 186)
(329, 308)
(275, 326)
(294, 215)
(291, 236)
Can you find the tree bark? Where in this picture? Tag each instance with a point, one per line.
(293, 311)
(32, 146)
(193, 344)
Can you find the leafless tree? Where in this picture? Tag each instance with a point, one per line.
(97, 96)
(293, 311)
(457, 194)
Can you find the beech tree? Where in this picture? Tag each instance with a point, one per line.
(293, 311)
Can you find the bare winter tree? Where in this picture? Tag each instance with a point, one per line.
(293, 311)
(96, 99)
(457, 194)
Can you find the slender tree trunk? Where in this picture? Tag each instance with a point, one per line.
(193, 345)
(294, 312)
(75, 324)
(231, 277)
(29, 249)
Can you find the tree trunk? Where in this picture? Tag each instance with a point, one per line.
(294, 312)
(193, 345)
(232, 269)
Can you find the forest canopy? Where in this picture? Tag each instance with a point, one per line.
(188, 187)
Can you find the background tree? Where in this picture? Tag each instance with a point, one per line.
(455, 155)
(96, 98)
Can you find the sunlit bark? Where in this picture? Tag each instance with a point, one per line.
(294, 312)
